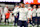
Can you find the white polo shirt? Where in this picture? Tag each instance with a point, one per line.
(15, 10)
(29, 14)
(34, 12)
(5, 10)
(38, 12)
(22, 13)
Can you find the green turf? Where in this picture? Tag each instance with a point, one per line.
(10, 25)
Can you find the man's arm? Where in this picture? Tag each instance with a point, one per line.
(15, 12)
(28, 20)
(31, 17)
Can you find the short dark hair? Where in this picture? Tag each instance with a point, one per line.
(12, 14)
(22, 3)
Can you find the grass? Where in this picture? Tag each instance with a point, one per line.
(10, 25)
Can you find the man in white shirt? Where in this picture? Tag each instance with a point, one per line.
(30, 13)
(17, 15)
(30, 10)
(6, 11)
(34, 15)
(1, 9)
(22, 15)
(38, 16)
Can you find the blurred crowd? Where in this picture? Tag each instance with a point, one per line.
(33, 14)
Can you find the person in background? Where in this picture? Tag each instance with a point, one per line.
(22, 15)
(10, 19)
(34, 15)
(17, 16)
(30, 14)
(13, 18)
(1, 12)
(6, 9)
(7, 17)
(0, 17)
(5, 12)
(38, 16)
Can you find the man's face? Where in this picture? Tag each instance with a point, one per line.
(34, 6)
(29, 5)
(7, 6)
(22, 5)
(16, 5)
(19, 6)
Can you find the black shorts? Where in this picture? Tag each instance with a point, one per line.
(34, 19)
(22, 23)
(38, 20)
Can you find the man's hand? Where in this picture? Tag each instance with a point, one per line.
(28, 21)
(16, 16)
(31, 19)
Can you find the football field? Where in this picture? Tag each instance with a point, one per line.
(11, 25)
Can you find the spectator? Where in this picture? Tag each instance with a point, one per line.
(38, 16)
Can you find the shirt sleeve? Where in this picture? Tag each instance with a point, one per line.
(15, 11)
